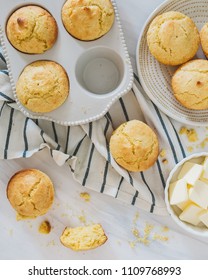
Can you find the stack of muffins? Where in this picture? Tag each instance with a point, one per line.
(44, 85)
(173, 39)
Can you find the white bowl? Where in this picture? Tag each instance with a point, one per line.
(174, 210)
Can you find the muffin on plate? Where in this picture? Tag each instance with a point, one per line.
(30, 192)
(204, 38)
(134, 146)
(88, 20)
(43, 86)
(31, 29)
(83, 238)
(190, 84)
(173, 38)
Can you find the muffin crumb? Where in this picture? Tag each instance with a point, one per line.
(190, 133)
(45, 227)
(82, 219)
(165, 161)
(85, 196)
(147, 234)
(160, 237)
(204, 143)
(163, 153)
(190, 149)
(165, 229)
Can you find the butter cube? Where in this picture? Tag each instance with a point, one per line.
(190, 172)
(183, 205)
(178, 192)
(199, 194)
(204, 217)
(191, 214)
(190, 191)
(205, 169)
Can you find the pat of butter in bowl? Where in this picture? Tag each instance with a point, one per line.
(189, 193)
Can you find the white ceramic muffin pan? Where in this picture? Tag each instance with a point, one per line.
(99, 71)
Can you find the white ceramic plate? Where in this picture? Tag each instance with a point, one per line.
(156, 77)
(99, 71)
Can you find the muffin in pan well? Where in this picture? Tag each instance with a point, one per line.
(43, 86)
(31, 29)
(88, 20)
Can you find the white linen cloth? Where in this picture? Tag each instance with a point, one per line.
(85, 148)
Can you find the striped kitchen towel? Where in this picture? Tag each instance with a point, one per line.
(85, 148)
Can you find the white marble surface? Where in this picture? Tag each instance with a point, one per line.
(21, 240)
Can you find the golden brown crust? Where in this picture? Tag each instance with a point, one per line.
(134, 146)
(204, 38)
(190, 84)
(31, 29)
(30, 192)
(173, 38)
(88, 19)
(43, 86)
(83, 238)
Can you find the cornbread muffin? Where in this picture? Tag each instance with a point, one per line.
(30, 192)
(173, 38)
(88, 19)
(83, 238)
(190, 84)
(31, 29)
(43, 86)
(134, 146)
(204, 38)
